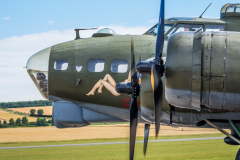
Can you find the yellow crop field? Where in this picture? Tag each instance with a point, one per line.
(4, 115)
(46, 109)
(91, 132)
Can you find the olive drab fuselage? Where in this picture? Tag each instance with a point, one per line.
(211, 76)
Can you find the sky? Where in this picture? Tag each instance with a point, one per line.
(27, 27)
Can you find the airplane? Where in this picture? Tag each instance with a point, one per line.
(187, 74)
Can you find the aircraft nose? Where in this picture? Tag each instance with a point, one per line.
(37, 68)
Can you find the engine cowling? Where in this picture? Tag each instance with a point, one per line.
(203, 69)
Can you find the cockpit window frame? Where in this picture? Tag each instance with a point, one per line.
(177, 23)
(233, 10)
(150, 29)
(165, 35)
(170, 30)
(236, 8)
(181, 19)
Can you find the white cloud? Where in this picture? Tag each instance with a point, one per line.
(6, 18)
(16, 85)
(51, 22)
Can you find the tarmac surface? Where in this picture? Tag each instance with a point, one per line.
(111, 143)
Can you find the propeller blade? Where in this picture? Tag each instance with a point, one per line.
(160, 33)
(146, 134)
(133, 105)
(133, 125)
(158, 91)
(133, 70)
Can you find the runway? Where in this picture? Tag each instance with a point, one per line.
(111, 143)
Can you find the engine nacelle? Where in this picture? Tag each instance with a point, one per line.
(203, 69)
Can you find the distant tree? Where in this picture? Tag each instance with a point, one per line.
(11, 121)
(18, 121)
(41, 122)
(24, 120)
(40, 112)
(4, 122)
(0, 124)
(38, 122)
(32, 111)
(44, 122)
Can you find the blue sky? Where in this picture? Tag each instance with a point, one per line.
(25, 16)
(28, 26)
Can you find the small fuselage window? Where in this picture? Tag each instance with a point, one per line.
(61, 65)
(185, 28)
(215, 28)
(119, 66)
(96, 65)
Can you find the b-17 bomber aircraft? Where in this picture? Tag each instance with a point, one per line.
(181, 72)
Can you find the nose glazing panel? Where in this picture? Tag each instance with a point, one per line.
(37, 68)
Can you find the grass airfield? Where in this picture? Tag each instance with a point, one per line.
(40, 136)
(181, 150)
(90, 132)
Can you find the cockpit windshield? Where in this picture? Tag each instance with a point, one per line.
(154, 29)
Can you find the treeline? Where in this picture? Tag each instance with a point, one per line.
(5, 105)
(24, 123)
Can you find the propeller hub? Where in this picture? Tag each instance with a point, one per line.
(144, 67)
(124, 88)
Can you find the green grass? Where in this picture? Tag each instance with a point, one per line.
(185, 150)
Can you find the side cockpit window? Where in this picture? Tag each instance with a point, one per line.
(215, 28)
(154, 29)
(119, 66)
(185, 28)
(61, 65)
(96, 65)
(237, 8)
(231, 8)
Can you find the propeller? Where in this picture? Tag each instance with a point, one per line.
(156, 69)
(131, 88)
(133, 105)
(146, 134)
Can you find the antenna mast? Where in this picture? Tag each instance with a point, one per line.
(205, 10)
